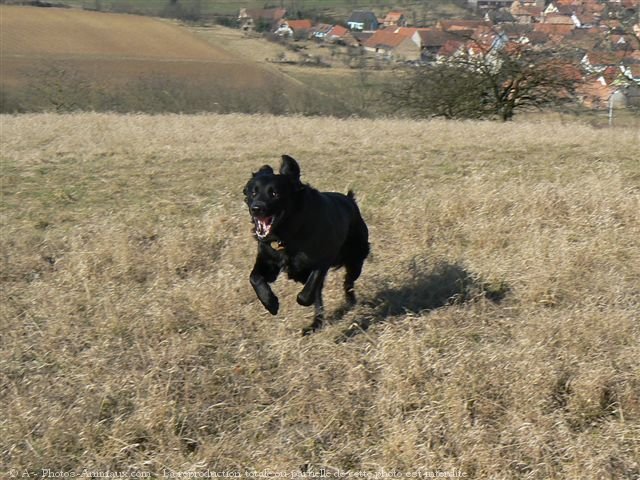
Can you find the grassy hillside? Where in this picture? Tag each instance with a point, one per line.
(497, 332)
(108, 45)
(339, 8)
(67, 59)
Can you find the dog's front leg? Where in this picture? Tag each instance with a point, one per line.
(263, 273)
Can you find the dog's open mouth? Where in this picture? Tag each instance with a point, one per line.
(263, 226)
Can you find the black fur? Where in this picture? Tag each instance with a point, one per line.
(303, 232)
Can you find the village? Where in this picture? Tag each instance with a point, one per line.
(605, 33)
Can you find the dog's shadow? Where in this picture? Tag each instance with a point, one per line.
(445, 284)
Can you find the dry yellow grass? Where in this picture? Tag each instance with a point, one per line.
(56, 59)
(113, 48)
(502, 300)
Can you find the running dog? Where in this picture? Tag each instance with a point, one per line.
(303, 232)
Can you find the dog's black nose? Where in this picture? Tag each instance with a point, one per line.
(257, 209)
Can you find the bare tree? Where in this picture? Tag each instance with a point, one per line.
(494, 81)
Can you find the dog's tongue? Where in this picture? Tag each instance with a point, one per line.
(263, 226)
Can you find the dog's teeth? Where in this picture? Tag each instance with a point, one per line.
(263, 226)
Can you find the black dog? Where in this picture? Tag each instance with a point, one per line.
(304, 232)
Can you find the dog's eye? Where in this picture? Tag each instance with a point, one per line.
(273, 194)
(254, 193)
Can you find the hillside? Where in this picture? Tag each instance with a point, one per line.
(338, 8)
(497, 333)
(66, 56)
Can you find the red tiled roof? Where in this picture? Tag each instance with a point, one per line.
(605, 58)
(447, 25)
(338, 31)
(553, 29)
(393, 17)
(431, 37)
(532, 11)
(384, 38)
(558, 19)
(322, 28)
(404, 31)
(450, 47)
(299, 24)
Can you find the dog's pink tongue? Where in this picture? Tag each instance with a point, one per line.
(263, 225)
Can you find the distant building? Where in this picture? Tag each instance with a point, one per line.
(489, 3)
(320, 31)
(392, 45)
(362, 21)
(394, 19)
(268, 19)
(294, 28)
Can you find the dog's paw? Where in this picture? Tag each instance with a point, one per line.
(272, 305)
(309, 329)
(314, 327)
(304, 300)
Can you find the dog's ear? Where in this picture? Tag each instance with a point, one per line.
(265, 169)
(290, 167)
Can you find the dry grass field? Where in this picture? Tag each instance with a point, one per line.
(62, 60)
(429, 10)
(103, 45)
(54, 58)
(497, 334)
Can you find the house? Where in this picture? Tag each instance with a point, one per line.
(341, 35)
(594, 93)
(432, 40)
(451, 48)
(624, 42)
(598, 62)
(533, 3)
(458, 25)
(363, 21)
(294, 28)
(337, 32)
(392, 45)
(320, 31)
(525, 13)
(410, 32)
(585, 38)
(489, 3)
(394, 19)
(597, 90)
(632, 72)
(556, 33)
(558, 19)
(585, 20)
(534, 38)
(515, 31)
(360, 37)
(559, 8)
(485, 40)
(260, 19)
(501, 15)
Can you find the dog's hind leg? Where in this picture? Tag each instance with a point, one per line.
(318, 314)
(315, 281)
(353, 271)
(313, 286)
(354, 253)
